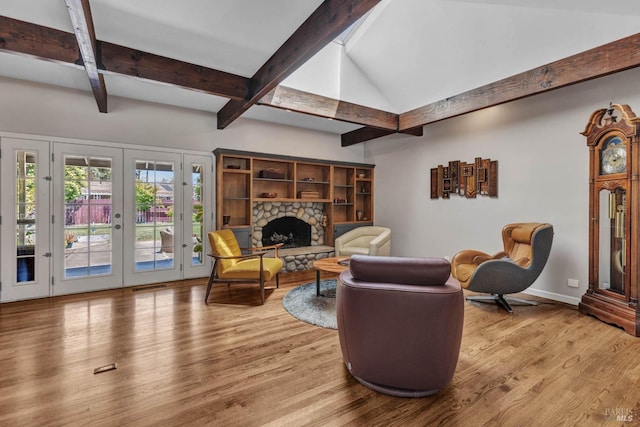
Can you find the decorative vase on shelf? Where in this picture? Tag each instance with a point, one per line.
(359, 215)
(225, 220)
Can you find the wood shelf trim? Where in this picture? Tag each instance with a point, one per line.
(286, 181)
(277, 157)
(368, 221)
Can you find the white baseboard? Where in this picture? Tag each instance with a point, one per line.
(552, 296)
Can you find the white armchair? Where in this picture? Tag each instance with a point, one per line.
(367, 240)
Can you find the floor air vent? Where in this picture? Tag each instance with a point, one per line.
(147, 288)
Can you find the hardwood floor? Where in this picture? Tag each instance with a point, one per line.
(236, 363)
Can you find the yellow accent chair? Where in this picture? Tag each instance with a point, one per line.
(230, 265)
(526, 250)
(366, 240)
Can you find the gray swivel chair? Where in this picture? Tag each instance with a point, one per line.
(526, 250)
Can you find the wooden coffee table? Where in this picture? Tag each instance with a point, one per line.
(331, 265)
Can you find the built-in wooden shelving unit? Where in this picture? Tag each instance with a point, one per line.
(244, 178)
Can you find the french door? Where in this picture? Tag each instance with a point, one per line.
(88, 218)
(24, 200)
(153, 212)
(79, 218)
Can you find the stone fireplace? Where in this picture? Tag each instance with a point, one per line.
(308, 212)
(296, 224)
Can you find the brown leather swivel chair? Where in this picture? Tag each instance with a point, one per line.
(400, 323)
(526, 250)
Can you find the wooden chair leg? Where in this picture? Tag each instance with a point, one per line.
(206, 297)
(261, 280)
(277, 280)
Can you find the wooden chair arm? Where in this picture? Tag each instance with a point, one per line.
(248, 256)
(262, 248)
(274, 247)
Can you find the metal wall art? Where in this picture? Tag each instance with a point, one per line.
(465, 179)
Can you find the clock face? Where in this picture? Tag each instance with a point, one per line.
(613, 157)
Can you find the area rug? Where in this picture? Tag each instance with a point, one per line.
(303, 304)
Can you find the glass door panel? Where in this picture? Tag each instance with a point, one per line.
(197, 219)
(88, 206)
(152, 187)
(26, 214)
(88, 197)
(197, 203)
(612, 257)
(25, 228)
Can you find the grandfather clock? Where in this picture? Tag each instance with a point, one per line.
(614, 210)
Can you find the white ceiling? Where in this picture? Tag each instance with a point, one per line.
(406, 54)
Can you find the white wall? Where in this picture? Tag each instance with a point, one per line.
(542, 169)
(45, 113)
(444, 47)
(543, 173)
(320, 74)
(333, 74)
(31, 108)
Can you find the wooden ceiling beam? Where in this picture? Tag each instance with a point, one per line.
(82, 22)
(368, 133)
(291, 99)
(363, 134)
(37, 41)
(62, 47)
(330, 19)
(607, 59)
(136, 63)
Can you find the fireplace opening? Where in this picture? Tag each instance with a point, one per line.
(290, 231)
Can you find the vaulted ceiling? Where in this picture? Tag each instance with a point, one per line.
(405, 64)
